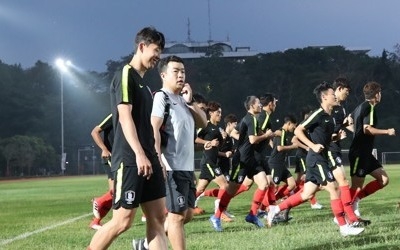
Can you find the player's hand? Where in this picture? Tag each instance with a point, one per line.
(342, 134)
(317, 148)
(391, 131)
(144, 166)
(228, 154)
(215, 143)
(105, 154)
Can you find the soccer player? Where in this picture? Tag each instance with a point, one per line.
(139, 176)
(276, 162)
(244, 164)
(362, 162)
(103, 204)
(262, 149)
(342, 120)
(320, 126)
(211, 137)
(178, 154)
(300, 168)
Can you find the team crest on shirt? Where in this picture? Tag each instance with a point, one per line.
(339, 160)
(361, 172)
(276, 179)
(240, 178)
(217, 171)
(129, 197)
(181, 201)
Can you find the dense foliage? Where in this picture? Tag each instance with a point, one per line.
(30, 98)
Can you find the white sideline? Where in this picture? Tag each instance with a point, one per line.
(26, 235)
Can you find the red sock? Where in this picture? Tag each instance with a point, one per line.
(242, 189)
(104, 204)
(223, 204)
(281, 191)
(369, 189)
(292, 201)
(338, 212)
(211, 192)
(265, 201)
(105, 198)
(257, 199)
(271, 195)
(345, 197)
(313, 200)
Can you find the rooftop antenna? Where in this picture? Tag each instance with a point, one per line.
(189, 39)
(209, 22)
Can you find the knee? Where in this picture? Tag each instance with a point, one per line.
(384, 182)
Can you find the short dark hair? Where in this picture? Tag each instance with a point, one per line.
(290, 118)
(199, 98)
(267, 98)
(230, 118)
(250, 100)
(213, 106)
(163, 63)
(150, 35)
(321, 88)
(306, 110)
(341, 82)
(371, 89)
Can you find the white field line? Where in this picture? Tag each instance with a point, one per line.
(28, 234)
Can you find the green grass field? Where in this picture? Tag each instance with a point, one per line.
(54, 213)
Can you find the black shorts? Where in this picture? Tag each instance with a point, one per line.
(209, 171)
(225, 165)
(107, 169)
(335, 159)
(320, 173)
(363, 164)
(181, 191)
(300, 165)
(241, 169)
(279, 173)
(130, 189)
(263, 162)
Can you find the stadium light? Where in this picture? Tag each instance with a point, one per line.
(63, 67)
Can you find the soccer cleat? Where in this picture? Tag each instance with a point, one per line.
(95, 224)
(198, 211)
(273, 210)
(95, 206)
(355, 207)
(262, 214)
(347, 230)
(228, 214)
(138, 244)
(254, 220)
(361, 223)
(216, 223)
(282, 216)
(316, 206)
(226, 218)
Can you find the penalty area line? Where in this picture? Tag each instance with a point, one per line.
(28, 234)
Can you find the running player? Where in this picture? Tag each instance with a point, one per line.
(362, 162)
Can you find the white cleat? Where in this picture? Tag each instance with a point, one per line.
(347, 230)
(316, 206)
(273, 210)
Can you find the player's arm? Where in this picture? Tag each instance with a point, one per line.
(96, 131)
(298, 143)
(130, 133)
(369, 130)
(301, 135)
